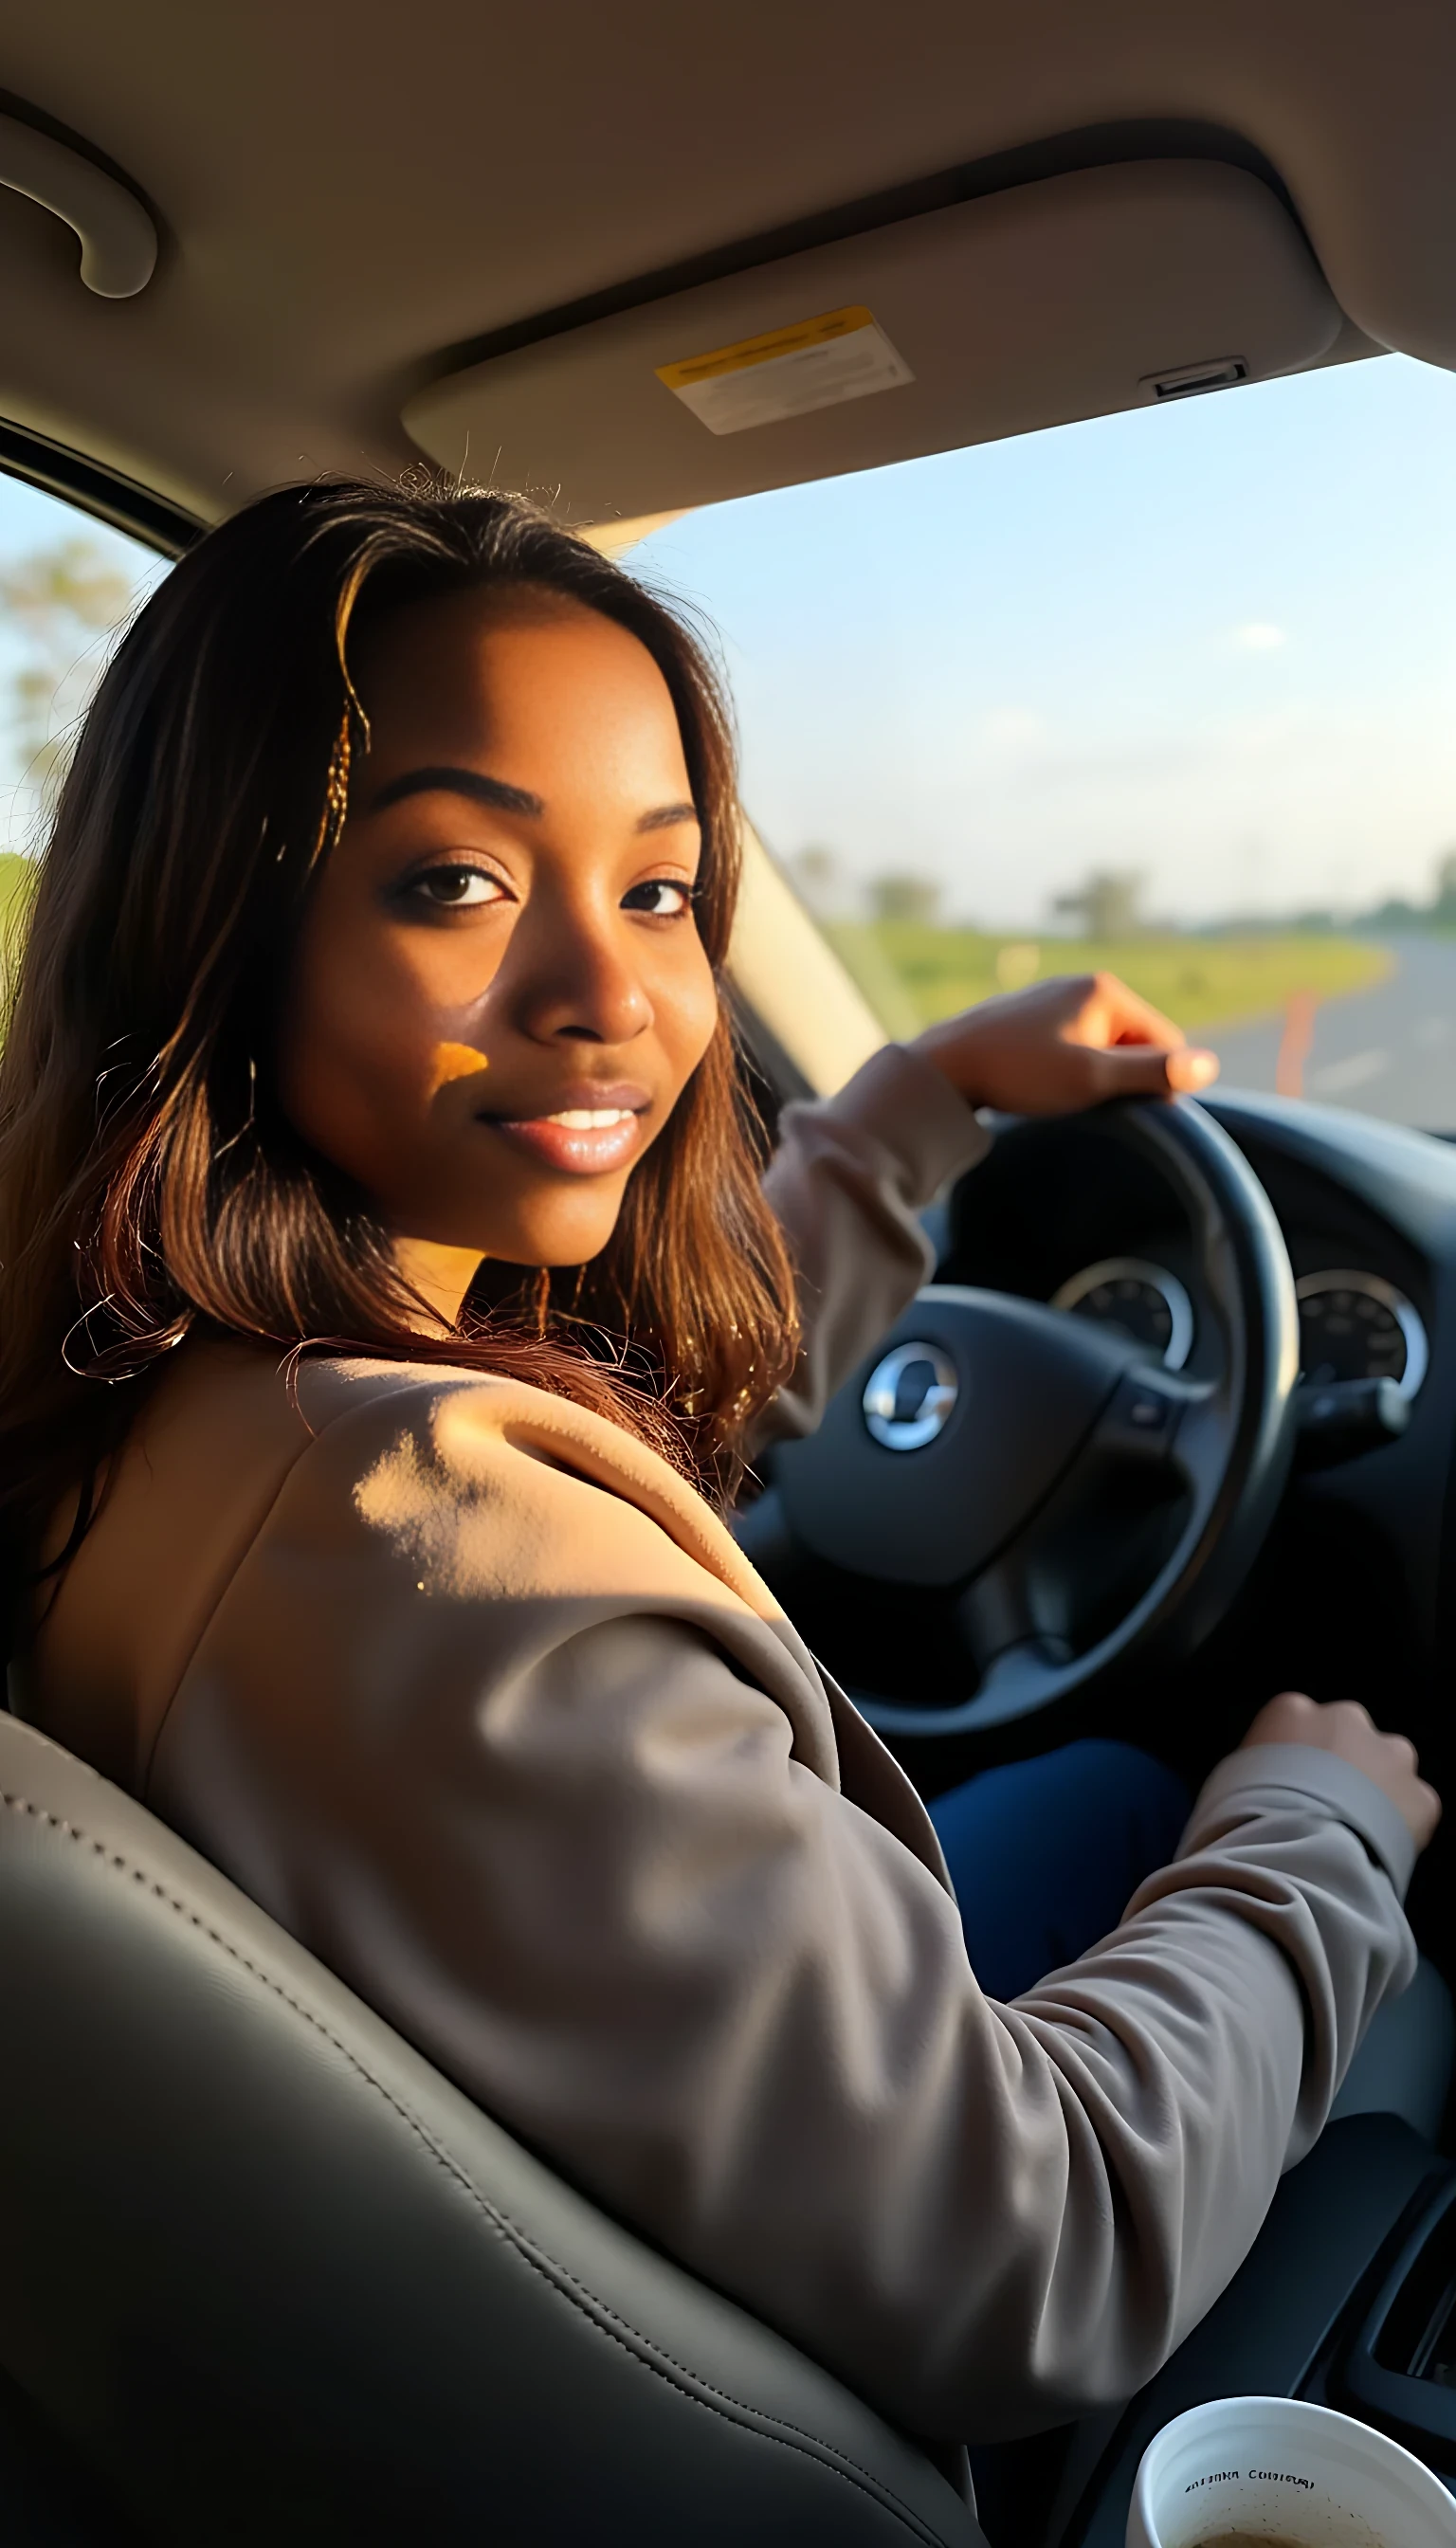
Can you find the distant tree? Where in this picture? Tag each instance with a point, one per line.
(820, 879)
(1106, 904)
(903, 896)
(58, 602)
(1443, 896)
(1398, 913)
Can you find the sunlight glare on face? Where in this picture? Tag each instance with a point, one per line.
(458, 1061)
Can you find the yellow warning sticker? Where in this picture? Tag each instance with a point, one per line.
(819, 362)
(763, 349)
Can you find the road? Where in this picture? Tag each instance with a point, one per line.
(1389, 1052)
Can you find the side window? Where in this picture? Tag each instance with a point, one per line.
(68, 584)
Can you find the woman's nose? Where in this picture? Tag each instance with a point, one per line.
(573, 976)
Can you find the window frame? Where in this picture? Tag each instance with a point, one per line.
(93, 487)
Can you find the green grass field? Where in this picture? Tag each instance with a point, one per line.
(16, 875)
(913, 974)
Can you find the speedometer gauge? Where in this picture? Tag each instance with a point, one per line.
(1146, 1300)
(1358, 1327)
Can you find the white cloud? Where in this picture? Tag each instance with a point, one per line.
(1260, 636)
(1010, 728)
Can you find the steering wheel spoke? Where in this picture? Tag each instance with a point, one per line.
(1015, 1601)
(1143, 1417)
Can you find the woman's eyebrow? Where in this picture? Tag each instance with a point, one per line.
(662, 817)
(460, 782)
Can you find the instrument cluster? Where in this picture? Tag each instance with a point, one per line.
(1353, 1325)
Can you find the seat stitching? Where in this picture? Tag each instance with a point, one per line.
(548, 2269)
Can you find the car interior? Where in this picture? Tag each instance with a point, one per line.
(1174, 1425)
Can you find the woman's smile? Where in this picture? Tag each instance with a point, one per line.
(591, 1131)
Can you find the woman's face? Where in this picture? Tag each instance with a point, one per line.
(500, 992)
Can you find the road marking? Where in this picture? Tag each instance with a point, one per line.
(1295, 1044)
(1349, 1073)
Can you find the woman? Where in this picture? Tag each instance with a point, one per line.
(372, 1004)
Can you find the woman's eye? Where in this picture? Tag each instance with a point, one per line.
(457, 889)
(662, 897)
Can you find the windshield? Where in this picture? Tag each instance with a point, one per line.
(1169, 693)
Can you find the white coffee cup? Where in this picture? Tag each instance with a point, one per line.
(1283, 2470)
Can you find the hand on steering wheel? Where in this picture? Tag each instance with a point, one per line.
(1065, 1044)
(1347, 1730)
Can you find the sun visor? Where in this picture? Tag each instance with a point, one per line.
(1073, 296)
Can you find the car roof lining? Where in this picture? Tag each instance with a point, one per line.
(347, 218)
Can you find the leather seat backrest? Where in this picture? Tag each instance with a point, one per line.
(277, 2279)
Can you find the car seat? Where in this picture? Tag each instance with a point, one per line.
(268, 2276)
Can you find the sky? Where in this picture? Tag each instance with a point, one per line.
(1215, 642)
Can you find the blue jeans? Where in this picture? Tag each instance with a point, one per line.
(1046, 1854)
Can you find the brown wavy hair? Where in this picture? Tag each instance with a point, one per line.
(149, 1184)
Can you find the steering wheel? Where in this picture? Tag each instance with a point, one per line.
(1015, 1502)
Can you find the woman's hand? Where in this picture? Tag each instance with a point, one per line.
(1065, 1044)
(1345, 1729)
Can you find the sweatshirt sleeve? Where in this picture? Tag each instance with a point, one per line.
(553, 1800)
(847, 1183)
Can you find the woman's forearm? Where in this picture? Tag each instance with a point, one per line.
(848, 1183)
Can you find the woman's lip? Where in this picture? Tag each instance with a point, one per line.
(579, 1096)
(580, 1150)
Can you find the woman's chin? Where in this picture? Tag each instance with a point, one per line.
(551, 1240)
(546, 1220)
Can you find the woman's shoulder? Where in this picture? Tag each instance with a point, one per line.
(238, 1421)
(479, 1484)
(450, 1449)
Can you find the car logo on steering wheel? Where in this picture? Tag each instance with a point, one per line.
(909, 1396)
